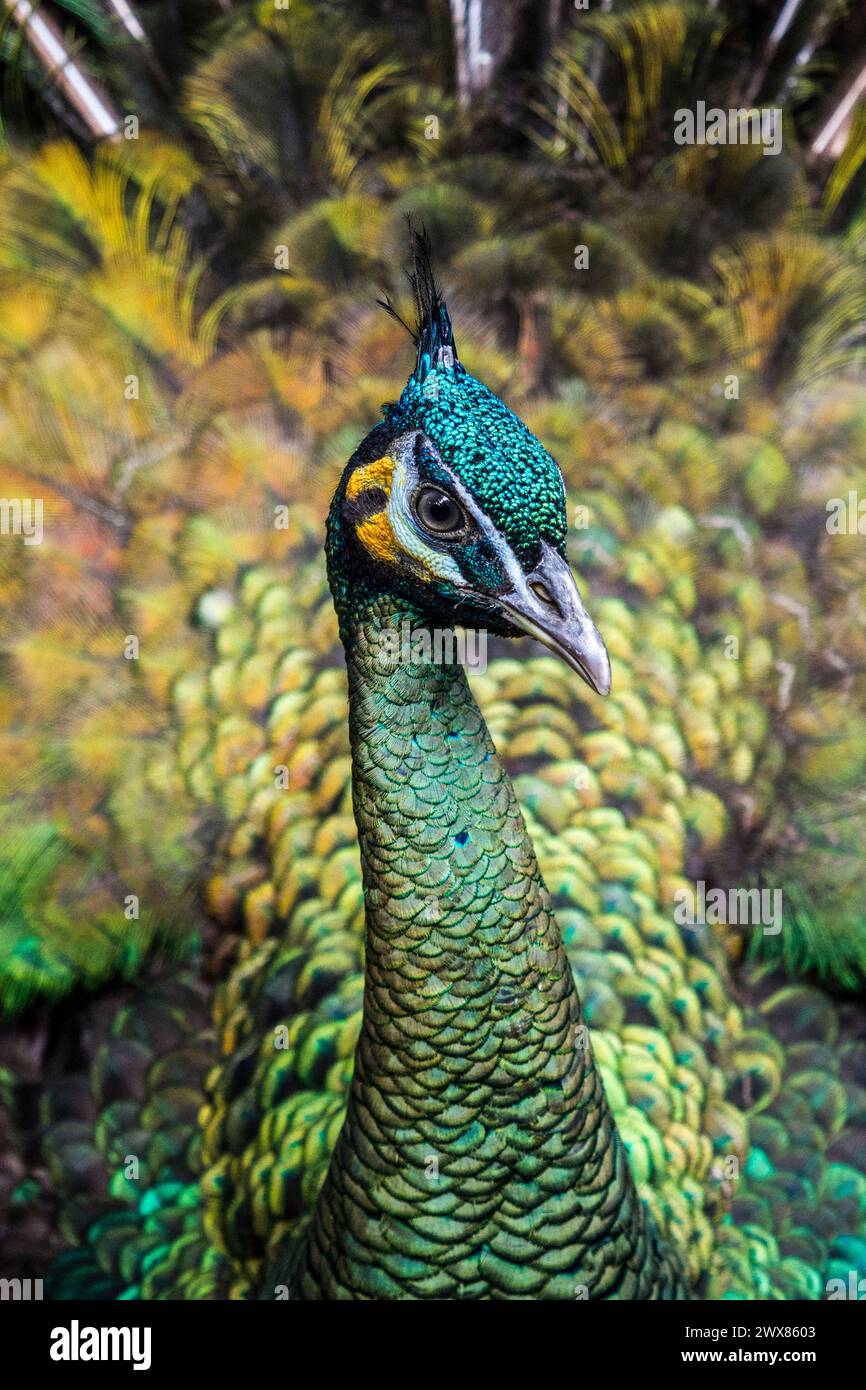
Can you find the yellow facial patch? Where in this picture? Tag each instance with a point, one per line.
(383, 526)
(377, 535)
(379, 473)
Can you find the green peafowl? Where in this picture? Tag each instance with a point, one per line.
(177, 1082)
(478, 1158)
(488, 1149)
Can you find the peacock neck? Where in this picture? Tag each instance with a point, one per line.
(478, 1157)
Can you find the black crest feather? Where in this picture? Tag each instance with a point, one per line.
(433, 334)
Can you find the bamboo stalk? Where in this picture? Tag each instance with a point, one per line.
(83, 94)
(128, 19)
(833, 131)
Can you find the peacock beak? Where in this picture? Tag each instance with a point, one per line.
(546, 603)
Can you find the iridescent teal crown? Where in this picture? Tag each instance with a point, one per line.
(510, 473)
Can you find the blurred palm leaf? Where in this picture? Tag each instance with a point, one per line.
(796, 307)
(650, 43)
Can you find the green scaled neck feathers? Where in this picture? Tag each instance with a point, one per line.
(478, 1158)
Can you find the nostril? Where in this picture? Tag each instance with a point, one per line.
(542, 592)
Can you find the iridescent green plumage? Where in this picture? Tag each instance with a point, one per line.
(478, 1158)
(291, 871)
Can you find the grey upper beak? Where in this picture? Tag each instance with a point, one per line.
(547, 605)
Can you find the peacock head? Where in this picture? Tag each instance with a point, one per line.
(451, 503)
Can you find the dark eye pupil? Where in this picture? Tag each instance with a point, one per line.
(439, 512)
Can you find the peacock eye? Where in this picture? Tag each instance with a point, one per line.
(439, 513)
